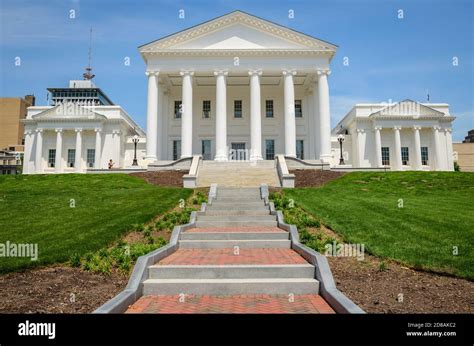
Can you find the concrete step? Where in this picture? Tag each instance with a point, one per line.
(244, 244)
(231, 204)
(236, 206)
(236, 218)
(205, 224)
(253, 212)
(231, 271)
(224, 287)
(239, 199)
(223, 192)
(233, 235)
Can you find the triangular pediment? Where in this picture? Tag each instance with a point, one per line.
(238, 30)
(66, 111)
(407, 108)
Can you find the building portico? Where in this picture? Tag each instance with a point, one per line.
(238, 82)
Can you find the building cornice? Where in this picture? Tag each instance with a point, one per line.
(237, 52)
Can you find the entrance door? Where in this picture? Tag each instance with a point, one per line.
(206, 149)
(238, 151)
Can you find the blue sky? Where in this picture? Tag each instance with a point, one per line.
(389, 58)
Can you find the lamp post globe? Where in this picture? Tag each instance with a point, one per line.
(340, 139)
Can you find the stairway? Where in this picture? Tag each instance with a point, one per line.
(235, 260)
(238, 173)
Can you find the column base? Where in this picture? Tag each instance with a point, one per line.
(291, 155)
(256, 158)
(150, 157)
(185, 156)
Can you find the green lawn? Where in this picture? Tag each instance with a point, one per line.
(437, 214)
(36, 209)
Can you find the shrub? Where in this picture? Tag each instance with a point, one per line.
(457, 168)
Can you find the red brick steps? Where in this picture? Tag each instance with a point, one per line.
(245, 304)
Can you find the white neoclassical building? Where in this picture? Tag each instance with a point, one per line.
(235, 88)
(238, 82)
(403, 136)
(81, 130)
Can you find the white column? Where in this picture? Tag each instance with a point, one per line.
(317, 135)
(378, 146)
(359, 152)
(290, 122)
(324, 116)
(187, 115)
(59, 151)
(98, 148)
(27, 154)
(437, 152)
(152, 115)
(117, 149)
(221, 116)
(159, 121)
(39, 151)
(417, 150)
(398, 148)
(78, 157)
(449, 149)
(256, 116)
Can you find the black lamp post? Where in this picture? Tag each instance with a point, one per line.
(340, 139)
(135, 141)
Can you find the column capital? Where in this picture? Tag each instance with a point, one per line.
(28, 132)
(257, 72)
(39, 130)
(377, 128)
(78, 130)
(289, 72)
(58, 130)
(152, 73)
(448, 130)
(321, 72)
(116, 132)
(360, 130)
(98, 129)
(435, 128)
(186, 73)
(397, 128)
(416, 128)
(221, 72)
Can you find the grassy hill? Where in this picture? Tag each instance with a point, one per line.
(417, 218)
(74, 213)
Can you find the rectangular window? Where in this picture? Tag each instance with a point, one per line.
(178, 109)
(237, 108)
(71, 157)
(90, 158)
(405, 156)
(269, 149)
(269, 108)
(298, 109)
(424, 156)
(386, 156)
(206, 109)
(176, 149)
(51, 157)
(300, 149)
(206, 149)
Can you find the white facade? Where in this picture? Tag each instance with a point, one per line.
(240, 83)
(234, 61)
(403, 136)
(70, 138)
